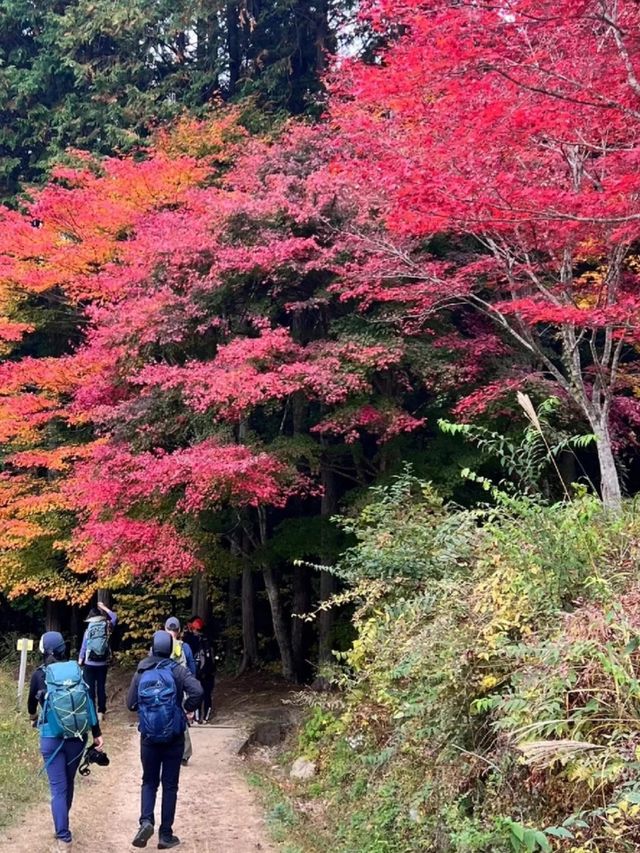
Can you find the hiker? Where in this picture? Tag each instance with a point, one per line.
(181, 651)
(205, 665)
(157, 691)
(95, 654)
(181, 654)
(66, 717)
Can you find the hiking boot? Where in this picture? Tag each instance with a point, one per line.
(184, 762)
(168, 842)
(143, 834)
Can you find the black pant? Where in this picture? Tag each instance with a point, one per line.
(96, 680)
(160, 761)
(207, 682)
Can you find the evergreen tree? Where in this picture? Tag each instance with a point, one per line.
(99, 74)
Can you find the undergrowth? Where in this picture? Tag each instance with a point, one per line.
(491, 699)
(20, 760)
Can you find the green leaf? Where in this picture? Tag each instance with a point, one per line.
(542, 841)
(559, 832)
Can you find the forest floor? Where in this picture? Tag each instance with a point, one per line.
(217, 811)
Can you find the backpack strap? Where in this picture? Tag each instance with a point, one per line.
(50, 759)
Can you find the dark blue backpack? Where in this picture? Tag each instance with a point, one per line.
(161, 719)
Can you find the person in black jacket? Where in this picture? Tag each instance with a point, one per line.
(205, 661)
(162, 759)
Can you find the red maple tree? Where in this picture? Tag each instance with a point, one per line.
(211, 370)
(514, 129)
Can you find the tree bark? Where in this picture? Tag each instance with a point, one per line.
(75, 628)
(105, 597)
(327, 580)
(55, 618)
(249, 639)
(610, 489)
(301, 604)
(279, 623)
(280, 627)
(230, 617)
(233, 45)
(200, 596)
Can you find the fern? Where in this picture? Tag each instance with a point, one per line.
(526, 461)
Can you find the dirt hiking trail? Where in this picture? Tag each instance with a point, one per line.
(217, 811)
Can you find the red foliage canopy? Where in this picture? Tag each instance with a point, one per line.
(513, 128)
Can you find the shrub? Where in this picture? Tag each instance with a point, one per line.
(490, 697)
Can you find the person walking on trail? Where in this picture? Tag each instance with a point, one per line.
(205, 659)
(95, 654)
(181, 650)
(181, 654)
(165, 694)
(65, 718)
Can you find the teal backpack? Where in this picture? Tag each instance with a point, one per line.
(67, 711)
(98, 641)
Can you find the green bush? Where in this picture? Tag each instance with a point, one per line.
(491, 697)
(20, 759)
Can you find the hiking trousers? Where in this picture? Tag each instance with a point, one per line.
(95, 677)
(61, 771)
(188, 748)
(160, 763)
(207, 682)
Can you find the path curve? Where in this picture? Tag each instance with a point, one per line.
(216, 812)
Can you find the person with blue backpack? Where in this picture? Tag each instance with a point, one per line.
(65, 719)
(95, 653)
(164, 693)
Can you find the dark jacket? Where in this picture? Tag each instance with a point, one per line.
(38, 689)
(202, 653)
(188, 689)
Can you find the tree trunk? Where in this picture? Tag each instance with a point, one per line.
(327, 580)
(279, 623)
(55, 618)
(233, 45)
(207, 40)
(610, 489)
(105, 597)
(280, 627)
(301, 605)
(200, 596)
(230, 618)
(249, 639)
(76, 629)
(322, 36)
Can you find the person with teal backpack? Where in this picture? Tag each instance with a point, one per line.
(67, 716)
(95, 653)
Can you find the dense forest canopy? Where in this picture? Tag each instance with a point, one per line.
(100, 76)
(220, 324)
(321, 320)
